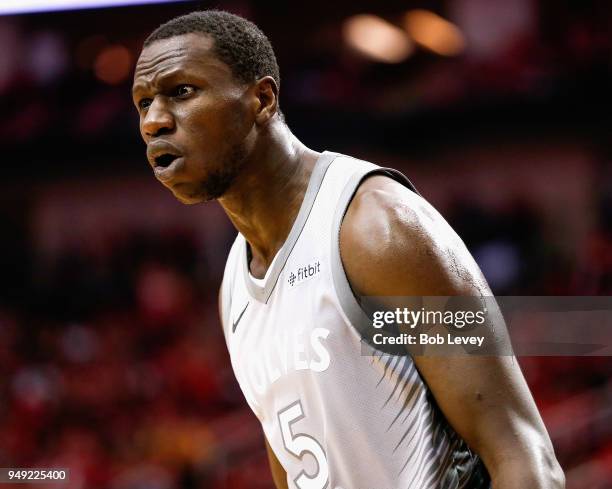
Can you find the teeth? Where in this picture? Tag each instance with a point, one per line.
(165, 160)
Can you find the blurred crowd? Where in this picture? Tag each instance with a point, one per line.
(122, 376)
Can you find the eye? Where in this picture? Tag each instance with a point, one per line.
(183, 91)
(144, 103)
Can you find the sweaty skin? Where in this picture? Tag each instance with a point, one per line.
(228, 143)
(393, 243)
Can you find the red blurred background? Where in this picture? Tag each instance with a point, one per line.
(112, 362)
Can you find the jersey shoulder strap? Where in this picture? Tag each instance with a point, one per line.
(346, 297)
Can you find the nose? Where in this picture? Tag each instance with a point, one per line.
(158, 120)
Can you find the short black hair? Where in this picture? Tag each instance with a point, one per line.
(237, 42)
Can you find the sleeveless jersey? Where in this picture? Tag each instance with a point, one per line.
(335, 417)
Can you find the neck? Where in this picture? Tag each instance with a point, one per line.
(266, 197)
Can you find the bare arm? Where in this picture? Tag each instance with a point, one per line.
(393, 243)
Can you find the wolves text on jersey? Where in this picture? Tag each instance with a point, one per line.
(291, 350)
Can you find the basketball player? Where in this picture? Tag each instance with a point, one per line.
(316, 231)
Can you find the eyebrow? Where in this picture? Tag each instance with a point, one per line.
(163, 78)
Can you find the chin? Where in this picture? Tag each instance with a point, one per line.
(190, 193)
(189, 198)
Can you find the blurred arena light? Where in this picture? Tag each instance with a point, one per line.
(434, 33)
(88, 50)
(377, 39)
(113, 64)
(8, 7)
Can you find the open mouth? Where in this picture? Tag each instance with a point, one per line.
(165, 160)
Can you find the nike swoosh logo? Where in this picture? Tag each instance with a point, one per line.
(235, 324)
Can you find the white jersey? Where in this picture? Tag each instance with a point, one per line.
(335, 418)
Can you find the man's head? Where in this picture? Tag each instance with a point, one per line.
(237, 42)
(205, 84)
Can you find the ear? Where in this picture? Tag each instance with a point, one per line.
(266, 93)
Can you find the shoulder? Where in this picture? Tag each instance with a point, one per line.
(393, 242)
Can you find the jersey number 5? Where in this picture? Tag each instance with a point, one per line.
(299, 444)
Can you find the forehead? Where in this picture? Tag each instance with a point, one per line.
(191, 53)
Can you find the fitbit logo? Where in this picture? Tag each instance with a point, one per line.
(302, 274)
